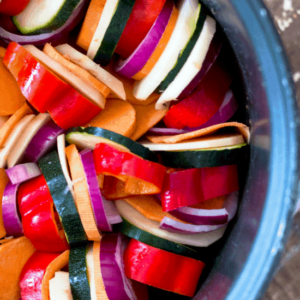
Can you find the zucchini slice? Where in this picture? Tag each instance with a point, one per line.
(145, 237)
(213, 157)
(110, 28)
(62, 198)
(91, 136)
(137, 219)
(78, 273)
(59, 286)
(45, 16)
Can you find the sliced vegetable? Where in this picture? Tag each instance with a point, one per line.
(56, 265)
(85, 89)
(51, 16)
(89, 137)
(146, 117)
(183, 30)
(227, 109)
(16, 155)
(212, 157)
(193, 112)
(78, 71)
(97, 201)
(118, 116)
(91, 271)
(111, 262)
(14, 256)
(62, 198)
(83, 61)
(82, 197)
(211, 216)
(191, 186)
(189, 62)
(59, 287)
(90, 23)
(113, 32)
(160, 47)
(78, 273)
(144, 14)
(242, 128)
(52, 37)
(162, 269)
(11, 98)
(205, 142)
(22, 173)
(166, 131)
(13, 138)
(137, 219)
(33, 273)
(110, 161)
(43, 142)
(4, 180)
(136, 61)
(12, 8)
(3, 120)
(145, 237)
(7, 128)
(211, 56)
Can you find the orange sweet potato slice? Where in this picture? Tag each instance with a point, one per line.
(2, 52)
(56, 265)
(13, 255)
(3, 182)
(172, 139)
(149, 208)
(7, 128)
(3, 120)
(118, 116)
(11, 98)
(146, 118)
(214, 203)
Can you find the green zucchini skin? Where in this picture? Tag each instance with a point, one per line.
(147, 238)
(56, 22)
(78, 273)
(114, 32)
(133, 146)
(185, 52)
(205, 158)
(62, 198)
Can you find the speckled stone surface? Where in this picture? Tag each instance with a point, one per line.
(286, 282)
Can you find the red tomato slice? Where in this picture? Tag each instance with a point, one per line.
(13, 7)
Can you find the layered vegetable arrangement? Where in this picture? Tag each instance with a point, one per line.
(119, 155)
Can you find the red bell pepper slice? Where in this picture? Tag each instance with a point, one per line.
(113, 162)
(13, 7)
(33, 273)
(162, 269)
(40, 222)
(38, 85)
(203, 102)
(188, 187)
(142, 17)
(73, 110)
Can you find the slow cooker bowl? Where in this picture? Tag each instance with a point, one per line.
(253, 243)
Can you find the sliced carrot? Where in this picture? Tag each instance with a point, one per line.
(118, 116)
(82, 198)
(80, 72)
(11, 98)
(100, 288)
(3, 182)
(7, 128)
(146, 118)
(214, 203)
(14, 256)
(172, 139)
(149, 208)
(3, 120)
(90, 23)
(6, 240)
(160, 47)
(2, 52)
(56, 265)
(128, 86)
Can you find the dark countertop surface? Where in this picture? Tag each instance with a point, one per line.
(286, 282)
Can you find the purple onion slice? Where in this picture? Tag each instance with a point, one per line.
(23, 172)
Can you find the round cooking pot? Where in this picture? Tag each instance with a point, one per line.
(254, 241)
